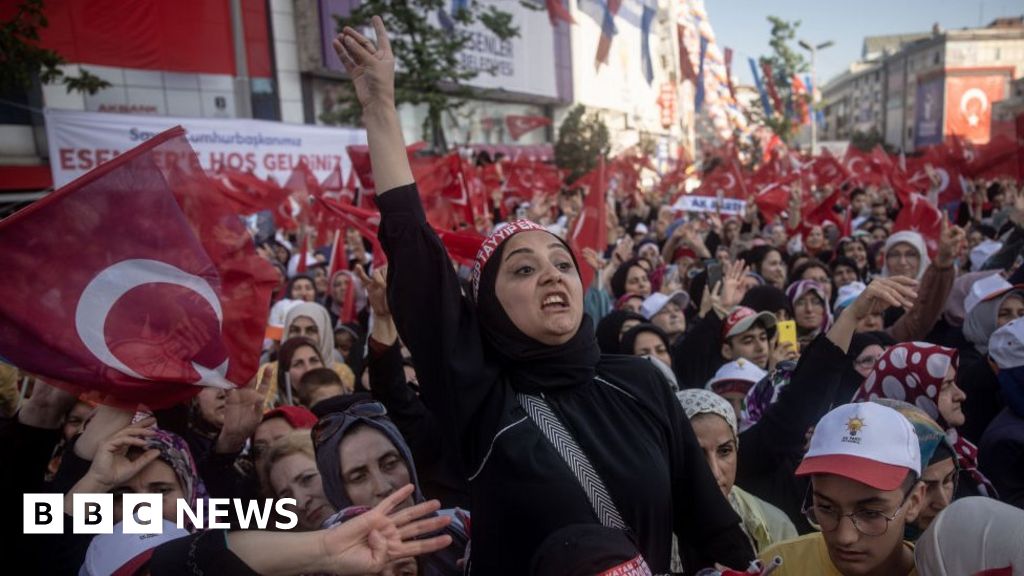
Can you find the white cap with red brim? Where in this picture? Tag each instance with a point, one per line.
(865, 442)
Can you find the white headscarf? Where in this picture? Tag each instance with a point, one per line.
(982, 320)
(318, 314)
(972, 535)
(915, 240)
(696, 401)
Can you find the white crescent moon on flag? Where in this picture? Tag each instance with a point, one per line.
(973, 94)
(732, 181)
(103, 292)
(943, 178)
(852, 166)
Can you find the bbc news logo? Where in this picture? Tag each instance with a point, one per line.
(144, 513)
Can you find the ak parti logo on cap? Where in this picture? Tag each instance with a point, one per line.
(853, 427)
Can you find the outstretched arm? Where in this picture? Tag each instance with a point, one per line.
(363, 545)
(372, 69)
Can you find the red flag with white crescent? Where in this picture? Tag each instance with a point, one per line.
(152, 288)
(520, 125)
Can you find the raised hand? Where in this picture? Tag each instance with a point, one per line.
(370, 541)
(952, 242)
(594, 259)
(243, 412)
(1015, 201)
(370, 66)
(376, 286)
(732, 284)
(623, 251)
(884, 293)
(111, 466)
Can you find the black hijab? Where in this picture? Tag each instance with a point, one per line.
(533, 366)
(767, 299)
(610, 326)
(618, 281)
(629, 338)
(851, 379)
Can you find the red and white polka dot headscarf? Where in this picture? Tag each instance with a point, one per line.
(913, 372)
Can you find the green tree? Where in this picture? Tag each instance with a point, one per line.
(785, 61)
(582, 142)
(867, 141)
(430, 71)
(22, 60)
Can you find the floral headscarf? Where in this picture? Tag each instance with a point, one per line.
(799, 288)
(765, 393)
(175, 453)
(913, 372)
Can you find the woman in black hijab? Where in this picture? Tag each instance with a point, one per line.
(612, 327)
(520, 340)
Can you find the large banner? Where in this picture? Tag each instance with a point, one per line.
(928, 113)
(525, 64)
(81, 141)
(969, 105)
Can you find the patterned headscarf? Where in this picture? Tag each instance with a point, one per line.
(913, 372)
(765, 393)
(175, 453)
(797, 290)
(696, 401)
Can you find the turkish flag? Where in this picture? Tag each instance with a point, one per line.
(999, 158)
(336, 187)
(919, 215)
(150, 289)
(826, 170)
(969, 102)
(824, 212)
(725, 181)
(360, 157)
(519, 125)
(945, 166)
(590, 227)
(525, 180)
(772, 200)
(462, 246)
(246, 193)
(867, 169)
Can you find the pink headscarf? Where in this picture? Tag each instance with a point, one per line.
(913, 372)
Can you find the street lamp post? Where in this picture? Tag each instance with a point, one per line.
(813, 49)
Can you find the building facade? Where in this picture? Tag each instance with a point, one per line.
(918, 90)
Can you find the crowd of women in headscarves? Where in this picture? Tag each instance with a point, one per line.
(440, 377)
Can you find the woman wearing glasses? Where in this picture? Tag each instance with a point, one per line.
(363, 459)
(549, 433)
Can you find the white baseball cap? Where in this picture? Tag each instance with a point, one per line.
(983, 289)
(865, 442)
(736, 376)
(655, 302)
(1006, 346)
(123, 554)
(847, 294)
(983, 251)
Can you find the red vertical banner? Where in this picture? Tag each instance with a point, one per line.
(969, 102)
(590, 228)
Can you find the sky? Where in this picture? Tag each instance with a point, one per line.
(743, 25)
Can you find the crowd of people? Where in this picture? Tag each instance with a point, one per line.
(431, 418)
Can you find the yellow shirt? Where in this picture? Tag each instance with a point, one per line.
(807, 555)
